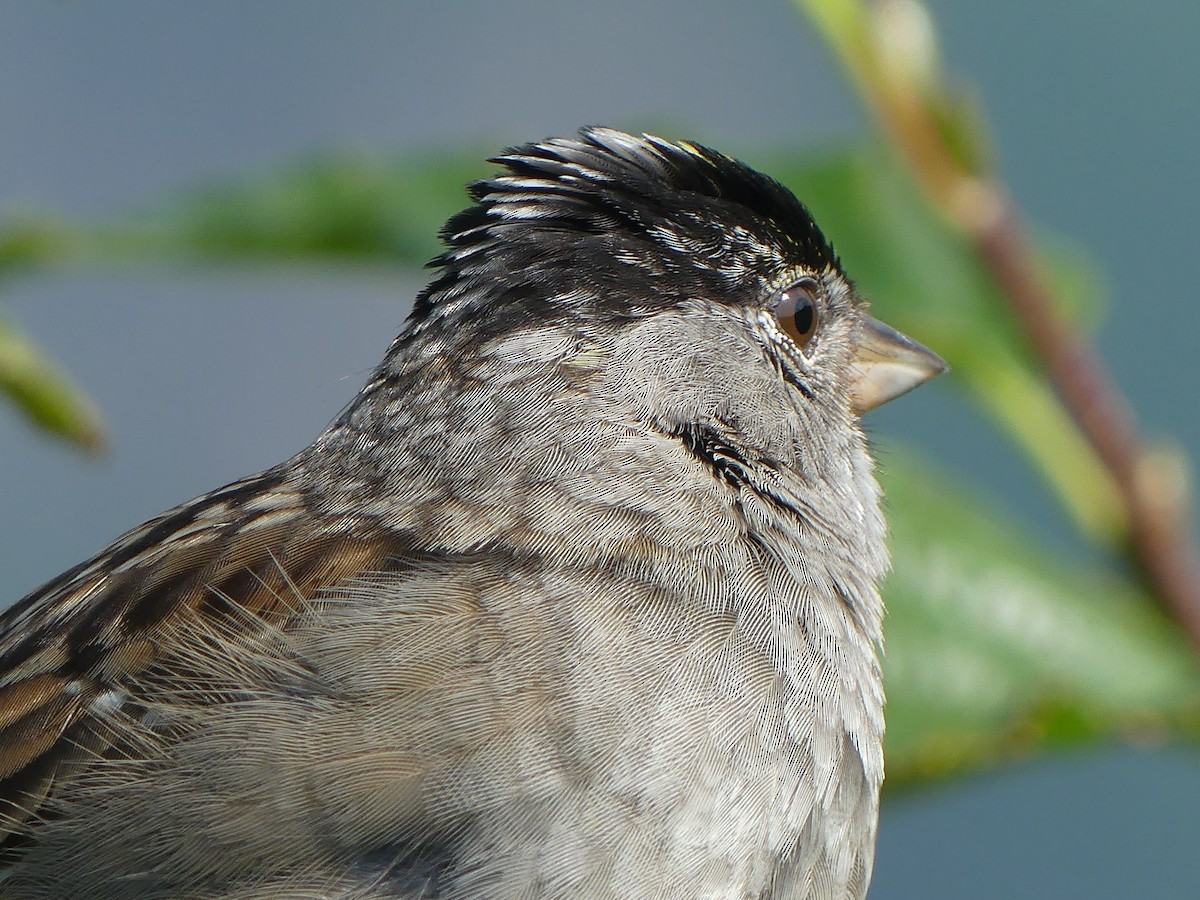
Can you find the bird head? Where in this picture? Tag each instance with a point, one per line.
(700, 290)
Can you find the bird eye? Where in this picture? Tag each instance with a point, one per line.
(797, 312)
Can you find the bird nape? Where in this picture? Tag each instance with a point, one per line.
(578, 598)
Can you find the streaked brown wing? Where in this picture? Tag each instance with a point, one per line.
(245, 556)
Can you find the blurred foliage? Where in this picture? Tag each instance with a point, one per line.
(36, 388)
(995, 649)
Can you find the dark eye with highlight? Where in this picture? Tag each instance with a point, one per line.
(797, 311)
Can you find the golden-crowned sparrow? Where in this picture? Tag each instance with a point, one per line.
(577, 599)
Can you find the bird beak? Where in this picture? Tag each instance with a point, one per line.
(887, 364)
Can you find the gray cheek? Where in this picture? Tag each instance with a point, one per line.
(693, 368)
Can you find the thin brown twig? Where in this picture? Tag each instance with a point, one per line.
(1160, 538)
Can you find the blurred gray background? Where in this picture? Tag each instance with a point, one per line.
(204, 378)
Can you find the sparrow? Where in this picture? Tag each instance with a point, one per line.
(577, 599)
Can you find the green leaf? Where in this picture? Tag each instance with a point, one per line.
(357, 209)
(995, 650)
(37, 389)
(344, 209)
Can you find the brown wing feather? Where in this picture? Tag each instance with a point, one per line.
(247, 555)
